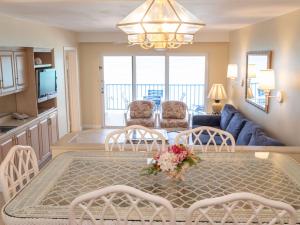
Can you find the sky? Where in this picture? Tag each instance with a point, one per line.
(151, 69)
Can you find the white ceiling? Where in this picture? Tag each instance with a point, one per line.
(102, 15)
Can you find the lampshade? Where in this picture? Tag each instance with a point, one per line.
(160, 24)
(217, 92)
(249, 93)
(232, 71)
(266, 79)
(252, 71)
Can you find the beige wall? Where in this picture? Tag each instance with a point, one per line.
(91, 55)
(282, 36)
(8, 104)
(15, 32)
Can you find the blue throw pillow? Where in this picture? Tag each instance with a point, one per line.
(246, 133)
(259, 138)
(226, 115)
(236, 124)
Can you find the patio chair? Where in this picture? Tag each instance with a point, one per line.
(135, 138)
(208, 138)
(241, 208)
(174, 116)
(17, 169)
(140, 112)
(120, 205)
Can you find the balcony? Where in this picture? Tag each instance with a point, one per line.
(118, 96)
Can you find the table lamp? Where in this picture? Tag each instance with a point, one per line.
(217, 93)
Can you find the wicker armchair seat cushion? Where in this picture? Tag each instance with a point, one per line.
(174, 123)
(141, 109)
(173, 110)
(148, 122)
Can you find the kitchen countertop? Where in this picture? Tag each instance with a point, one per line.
(8, 120)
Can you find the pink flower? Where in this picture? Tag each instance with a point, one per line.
(180, 152)
(177, 149)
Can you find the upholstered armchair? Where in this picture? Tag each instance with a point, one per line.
(140, 112)
(174, 115)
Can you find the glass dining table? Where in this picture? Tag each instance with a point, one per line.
(46, 198)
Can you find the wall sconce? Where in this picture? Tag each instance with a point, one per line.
(266, 82)
(232, 71)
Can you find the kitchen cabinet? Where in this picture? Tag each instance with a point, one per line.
(20, 70)
(40, 134)
(12, 72)
(33, 139)
(44, 139)
(21, 138)
(53, 128)
(8, 80)
(6, 145)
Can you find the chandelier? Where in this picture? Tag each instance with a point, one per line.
(160, 24)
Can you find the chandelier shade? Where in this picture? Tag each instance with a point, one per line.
(160, 24)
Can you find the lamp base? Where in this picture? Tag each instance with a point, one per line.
(217, 107)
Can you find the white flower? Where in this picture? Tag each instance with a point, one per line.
(167, 162)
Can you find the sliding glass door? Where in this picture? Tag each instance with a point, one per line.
(117, 88)
(187, 80)
(155, 78)
(150, 78)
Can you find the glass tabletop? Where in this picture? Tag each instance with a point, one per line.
(271, 175)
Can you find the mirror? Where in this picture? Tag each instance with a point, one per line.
(256, 61)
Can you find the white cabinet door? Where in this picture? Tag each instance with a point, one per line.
(8, 83)
(20, 69)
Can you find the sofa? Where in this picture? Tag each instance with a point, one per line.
(244, 131)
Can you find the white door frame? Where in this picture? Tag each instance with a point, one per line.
(72, 90)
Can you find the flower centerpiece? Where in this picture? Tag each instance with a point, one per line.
(174, 162)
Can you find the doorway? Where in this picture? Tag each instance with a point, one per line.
(72, 89)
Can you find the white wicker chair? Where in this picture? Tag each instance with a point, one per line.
(17, 169)
(223, 210)
(135, 138)
(118, 205)
(193, 138)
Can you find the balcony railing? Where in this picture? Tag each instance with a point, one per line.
(118, 96)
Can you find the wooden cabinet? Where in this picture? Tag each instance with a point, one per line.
(40, 134)
(8, 80)
(12, 72)
(6, 145)
(20, 69)
(21, 138)
(44, 139)
(33, 139)
(53, 128)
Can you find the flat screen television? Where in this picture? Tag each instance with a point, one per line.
(47, 83)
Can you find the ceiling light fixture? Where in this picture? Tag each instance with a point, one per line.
(160, 24)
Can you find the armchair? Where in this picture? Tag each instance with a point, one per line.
(174, 115)
(141, 113)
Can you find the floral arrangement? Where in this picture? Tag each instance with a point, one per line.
(174, 162)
